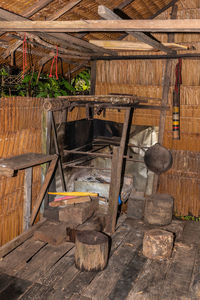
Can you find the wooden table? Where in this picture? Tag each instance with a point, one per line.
(9, 168)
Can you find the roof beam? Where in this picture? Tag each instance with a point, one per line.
(124, 4)
(35, 8)
(180, 25)
(163, 9)
(108, 14)
(63, 10)
(51, 54)
(39, 42)
(10, 16)
(53, 17)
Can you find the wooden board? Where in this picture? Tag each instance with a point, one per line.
(51, 233)
(15, 289)
(25, 160)
(184, 25)
(45, 258)
(20, 256)
(10, 246)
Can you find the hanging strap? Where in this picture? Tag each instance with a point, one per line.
(178, 75)
(24, 54)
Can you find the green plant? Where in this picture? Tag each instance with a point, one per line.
(187, 218)
(81, 82)
(49, 86)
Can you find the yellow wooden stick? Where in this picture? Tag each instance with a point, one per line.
(74, 194)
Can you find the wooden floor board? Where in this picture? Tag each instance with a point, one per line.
(36, 292)
(39, 271)
(17, 259)
(58, 271)
(43, 261)
(15, 289)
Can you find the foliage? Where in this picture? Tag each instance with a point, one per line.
(82, 81)
(188, 218)
(49, 86)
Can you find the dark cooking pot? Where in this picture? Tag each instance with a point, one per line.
(158, 159)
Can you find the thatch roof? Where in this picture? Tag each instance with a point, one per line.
(79, 10)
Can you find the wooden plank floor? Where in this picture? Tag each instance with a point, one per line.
(37, 270)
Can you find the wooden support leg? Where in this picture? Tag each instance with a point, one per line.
(27, 197)
(116, 172)
(42, 192)
(58, 152)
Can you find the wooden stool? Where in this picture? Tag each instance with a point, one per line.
(8, 168)
(157, 244)
(91, 250)
(158, 209)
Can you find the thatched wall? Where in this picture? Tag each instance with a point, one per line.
(145, 78)
(20, 132)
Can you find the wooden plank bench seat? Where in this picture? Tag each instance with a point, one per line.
(9, 167)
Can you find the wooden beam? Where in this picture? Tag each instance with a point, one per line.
(124, 4)
(41, 43)
(42, 192)
(29, 13)
(35, 8)
(172, 3)
(59, 37)
(53, 17)
(132, 46)
(108, 14)
(180, 25)
(75, 69)
(63, 10)
(156, 56)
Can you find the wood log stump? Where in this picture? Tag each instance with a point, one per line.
(158, 209)
(158, 244)
(91, 250)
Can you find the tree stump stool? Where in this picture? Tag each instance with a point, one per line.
(158, 244)
(158, 209)
(91, 250)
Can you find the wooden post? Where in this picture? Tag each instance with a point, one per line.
(27, 197)
(93, 77)
(42, 192)
(165, 94)
(116, 172)
(58, 152)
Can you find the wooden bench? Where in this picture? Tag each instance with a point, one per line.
(9, 168)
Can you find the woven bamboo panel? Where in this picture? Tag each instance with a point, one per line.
(20, 133)
(183, 182)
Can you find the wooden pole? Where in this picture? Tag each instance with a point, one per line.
(116, 172)
(42, 192)
(27, 197)
(93, 77)
(165, 94)
(58, 153)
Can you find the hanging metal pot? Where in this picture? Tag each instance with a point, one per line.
(158, 159)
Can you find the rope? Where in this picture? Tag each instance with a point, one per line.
(55, 58)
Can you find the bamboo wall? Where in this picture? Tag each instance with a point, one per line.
(145, 78)
(20, 132)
